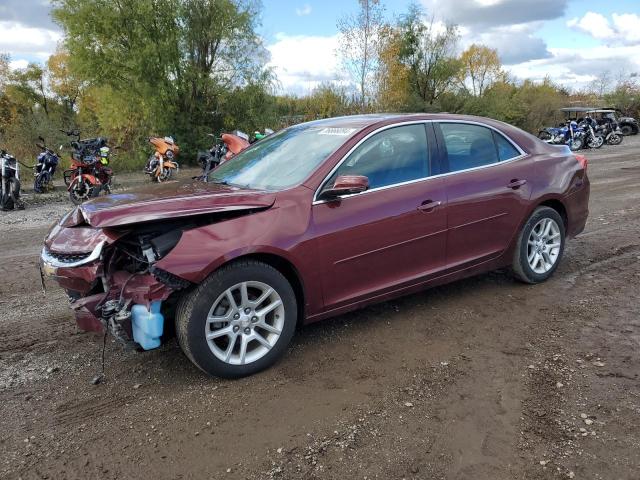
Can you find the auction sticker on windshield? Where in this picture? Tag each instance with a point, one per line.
(343, 132)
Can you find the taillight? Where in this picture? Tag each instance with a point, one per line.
(582, 160)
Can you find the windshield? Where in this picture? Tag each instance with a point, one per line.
(283, 159)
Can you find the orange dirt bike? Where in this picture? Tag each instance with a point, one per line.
(89, 173)
(161, 164)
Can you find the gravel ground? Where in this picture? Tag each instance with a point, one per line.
(484, 378)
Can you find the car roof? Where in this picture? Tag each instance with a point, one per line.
(362, 121)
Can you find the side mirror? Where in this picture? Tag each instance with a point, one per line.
(41, 139)
(345, 185)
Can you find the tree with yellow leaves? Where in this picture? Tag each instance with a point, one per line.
(481, 67)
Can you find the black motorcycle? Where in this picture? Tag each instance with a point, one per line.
(10, 179)
(44, 168)
(211, 158)
(610, 131)
(593, 139)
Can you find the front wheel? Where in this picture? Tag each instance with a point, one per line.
(540, 246)
(615, 139)
(83, 191)
(575, 144)
(239, 321)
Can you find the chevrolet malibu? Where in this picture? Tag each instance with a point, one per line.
(316, 220)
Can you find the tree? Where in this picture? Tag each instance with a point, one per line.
(428, 50)
(480, 68)
(359, 46)
(170, 61)
(392, 76)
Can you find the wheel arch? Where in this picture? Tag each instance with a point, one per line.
(559, 207)
(286, 268)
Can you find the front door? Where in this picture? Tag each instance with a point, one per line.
(391, 235)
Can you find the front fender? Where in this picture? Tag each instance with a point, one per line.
(85, 176)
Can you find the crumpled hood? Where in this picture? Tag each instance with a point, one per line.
(171, 200)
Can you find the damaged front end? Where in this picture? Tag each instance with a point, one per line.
(110, 275)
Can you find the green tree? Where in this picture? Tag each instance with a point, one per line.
(171, 61)
(360, 46)
(430, 54)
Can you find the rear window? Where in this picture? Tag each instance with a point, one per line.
(506, 150)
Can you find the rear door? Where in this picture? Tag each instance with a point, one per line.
(392, 234)
(487, 187)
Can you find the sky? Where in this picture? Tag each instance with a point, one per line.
(571, 41)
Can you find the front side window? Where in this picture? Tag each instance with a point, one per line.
(395, 155)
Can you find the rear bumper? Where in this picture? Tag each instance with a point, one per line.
(577, 205)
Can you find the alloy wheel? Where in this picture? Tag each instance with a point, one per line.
(543, 245)
(245, 322)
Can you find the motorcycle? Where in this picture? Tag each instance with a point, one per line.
(611, 132)
(10, 180)
(45, 168)
(566, 134)
(593, 139)
(89, 173)
(161, 163)
(224, 148)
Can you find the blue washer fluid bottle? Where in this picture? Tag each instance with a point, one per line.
(147, 325)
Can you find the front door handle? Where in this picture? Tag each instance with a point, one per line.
(429, 206)
(516, 184)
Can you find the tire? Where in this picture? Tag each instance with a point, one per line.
(194, 309)
(544, 135)
(575, 144)
(522, 267)
(596, 141)
(627, 130)
(615, 139)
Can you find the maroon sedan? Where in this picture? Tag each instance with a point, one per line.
(314, 221)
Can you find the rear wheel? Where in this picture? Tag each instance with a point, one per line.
(238, 321)
(544, 135)
(540, 246)
(596, 141)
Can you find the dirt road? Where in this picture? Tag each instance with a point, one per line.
(481, 379)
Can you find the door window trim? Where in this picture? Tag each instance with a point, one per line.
(346, 156)
(442, 148)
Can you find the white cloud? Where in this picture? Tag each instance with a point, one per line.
(18, 64)
(577, 67)
(593, 24)
(622, 29)
(305, 10)
(303, 62)
(21, 41)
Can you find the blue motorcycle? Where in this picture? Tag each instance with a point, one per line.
(44, 168)
(567, 134)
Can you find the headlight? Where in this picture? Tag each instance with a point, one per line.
(169, 154)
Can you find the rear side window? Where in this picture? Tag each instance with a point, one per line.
(471, 146)
(506, 150)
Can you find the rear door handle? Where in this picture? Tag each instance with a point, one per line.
(516, 184)
(429, 206)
